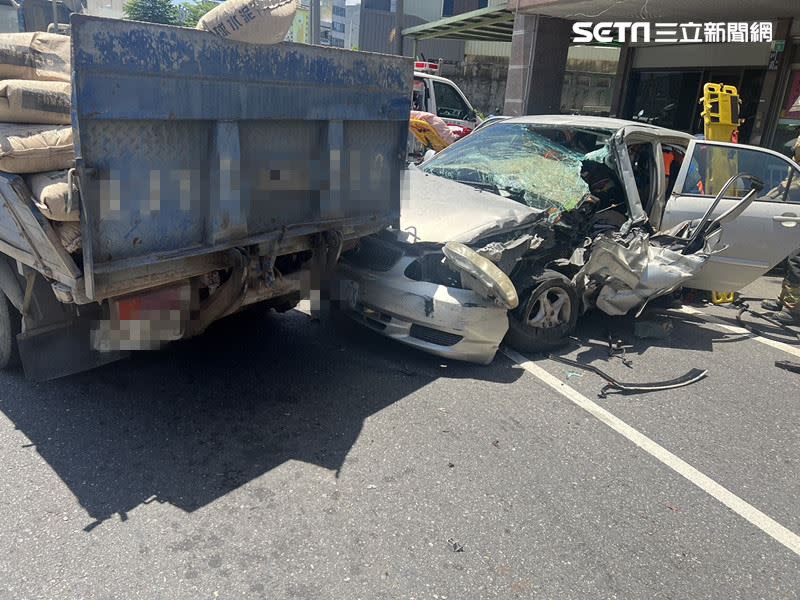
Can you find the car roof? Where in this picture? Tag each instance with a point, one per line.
(606, 123)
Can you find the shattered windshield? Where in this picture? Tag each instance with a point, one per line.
(538, 166)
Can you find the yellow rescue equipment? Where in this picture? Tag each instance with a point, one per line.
(431, 131)
(721, 122)
(427, 135)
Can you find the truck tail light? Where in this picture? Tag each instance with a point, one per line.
(145, 320)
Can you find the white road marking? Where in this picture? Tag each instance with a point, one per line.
(688, 310)
(765, 523)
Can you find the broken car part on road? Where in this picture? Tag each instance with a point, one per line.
(689, 378)
(744, 308)
(788, 366)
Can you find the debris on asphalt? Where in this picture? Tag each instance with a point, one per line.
(653, 329)
(617, 348)
(573, 374)
(496, 443)
(689, 378)
(455, 546)
(745, 308)
(788, 366)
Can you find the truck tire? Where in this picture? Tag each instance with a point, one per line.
(546, 316)
(10, 326)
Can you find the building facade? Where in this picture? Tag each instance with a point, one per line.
(332, 23)
(105, 8)
(665, 82)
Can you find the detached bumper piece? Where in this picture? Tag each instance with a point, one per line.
(788, 366)
(691, 377)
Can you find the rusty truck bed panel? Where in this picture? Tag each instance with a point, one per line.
(188, 144)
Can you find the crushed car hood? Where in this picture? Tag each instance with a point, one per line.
(438, 210)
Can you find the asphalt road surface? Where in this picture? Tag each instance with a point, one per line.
(275, 457)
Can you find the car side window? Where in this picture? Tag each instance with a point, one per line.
(673, 159)
(449, 103)
(644, 172)
(420, 96)
(711, 166)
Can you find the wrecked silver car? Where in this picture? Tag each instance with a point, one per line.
(515, 231)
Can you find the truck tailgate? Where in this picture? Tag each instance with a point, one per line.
(188, 144)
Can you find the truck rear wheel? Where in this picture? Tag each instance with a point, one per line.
(10, 326)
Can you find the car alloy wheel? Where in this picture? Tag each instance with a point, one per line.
(552, 308)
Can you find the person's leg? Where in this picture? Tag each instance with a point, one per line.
(790, 292)
(792, 278)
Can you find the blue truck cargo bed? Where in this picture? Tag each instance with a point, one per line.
(188, 145)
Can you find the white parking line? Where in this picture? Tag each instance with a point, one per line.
(766, 524)
(688, 310)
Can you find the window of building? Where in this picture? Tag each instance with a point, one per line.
(788, 127)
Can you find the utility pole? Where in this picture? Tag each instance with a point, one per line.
(55, 16)
(315, 18)
(399, 12)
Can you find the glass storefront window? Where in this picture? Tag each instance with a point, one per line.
(670, 98)
(789, 117)
(665, 98)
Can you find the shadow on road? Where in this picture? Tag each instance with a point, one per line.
(192, 422)
(688, 333)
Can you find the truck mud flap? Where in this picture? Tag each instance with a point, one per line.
(60, 350)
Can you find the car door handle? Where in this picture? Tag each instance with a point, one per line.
(786, 219)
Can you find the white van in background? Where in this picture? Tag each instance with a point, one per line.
(443, 98)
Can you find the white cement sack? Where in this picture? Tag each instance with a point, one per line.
(28, 148)
(70, 236)
(24, 101)
(51, 194)
(252, 21)
(36, 55)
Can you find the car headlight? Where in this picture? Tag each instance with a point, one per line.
(485, 277)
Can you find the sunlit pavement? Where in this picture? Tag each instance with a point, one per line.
(277, 457)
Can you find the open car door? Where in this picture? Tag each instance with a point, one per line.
(758, 239)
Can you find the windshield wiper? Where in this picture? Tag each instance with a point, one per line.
(513, 193)
(481, 185)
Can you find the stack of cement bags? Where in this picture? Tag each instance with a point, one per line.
(35, 131)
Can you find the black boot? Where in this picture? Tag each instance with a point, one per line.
(785, 317)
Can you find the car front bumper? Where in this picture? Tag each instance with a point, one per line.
(448, 322)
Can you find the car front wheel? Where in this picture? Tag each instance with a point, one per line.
(546, 315)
